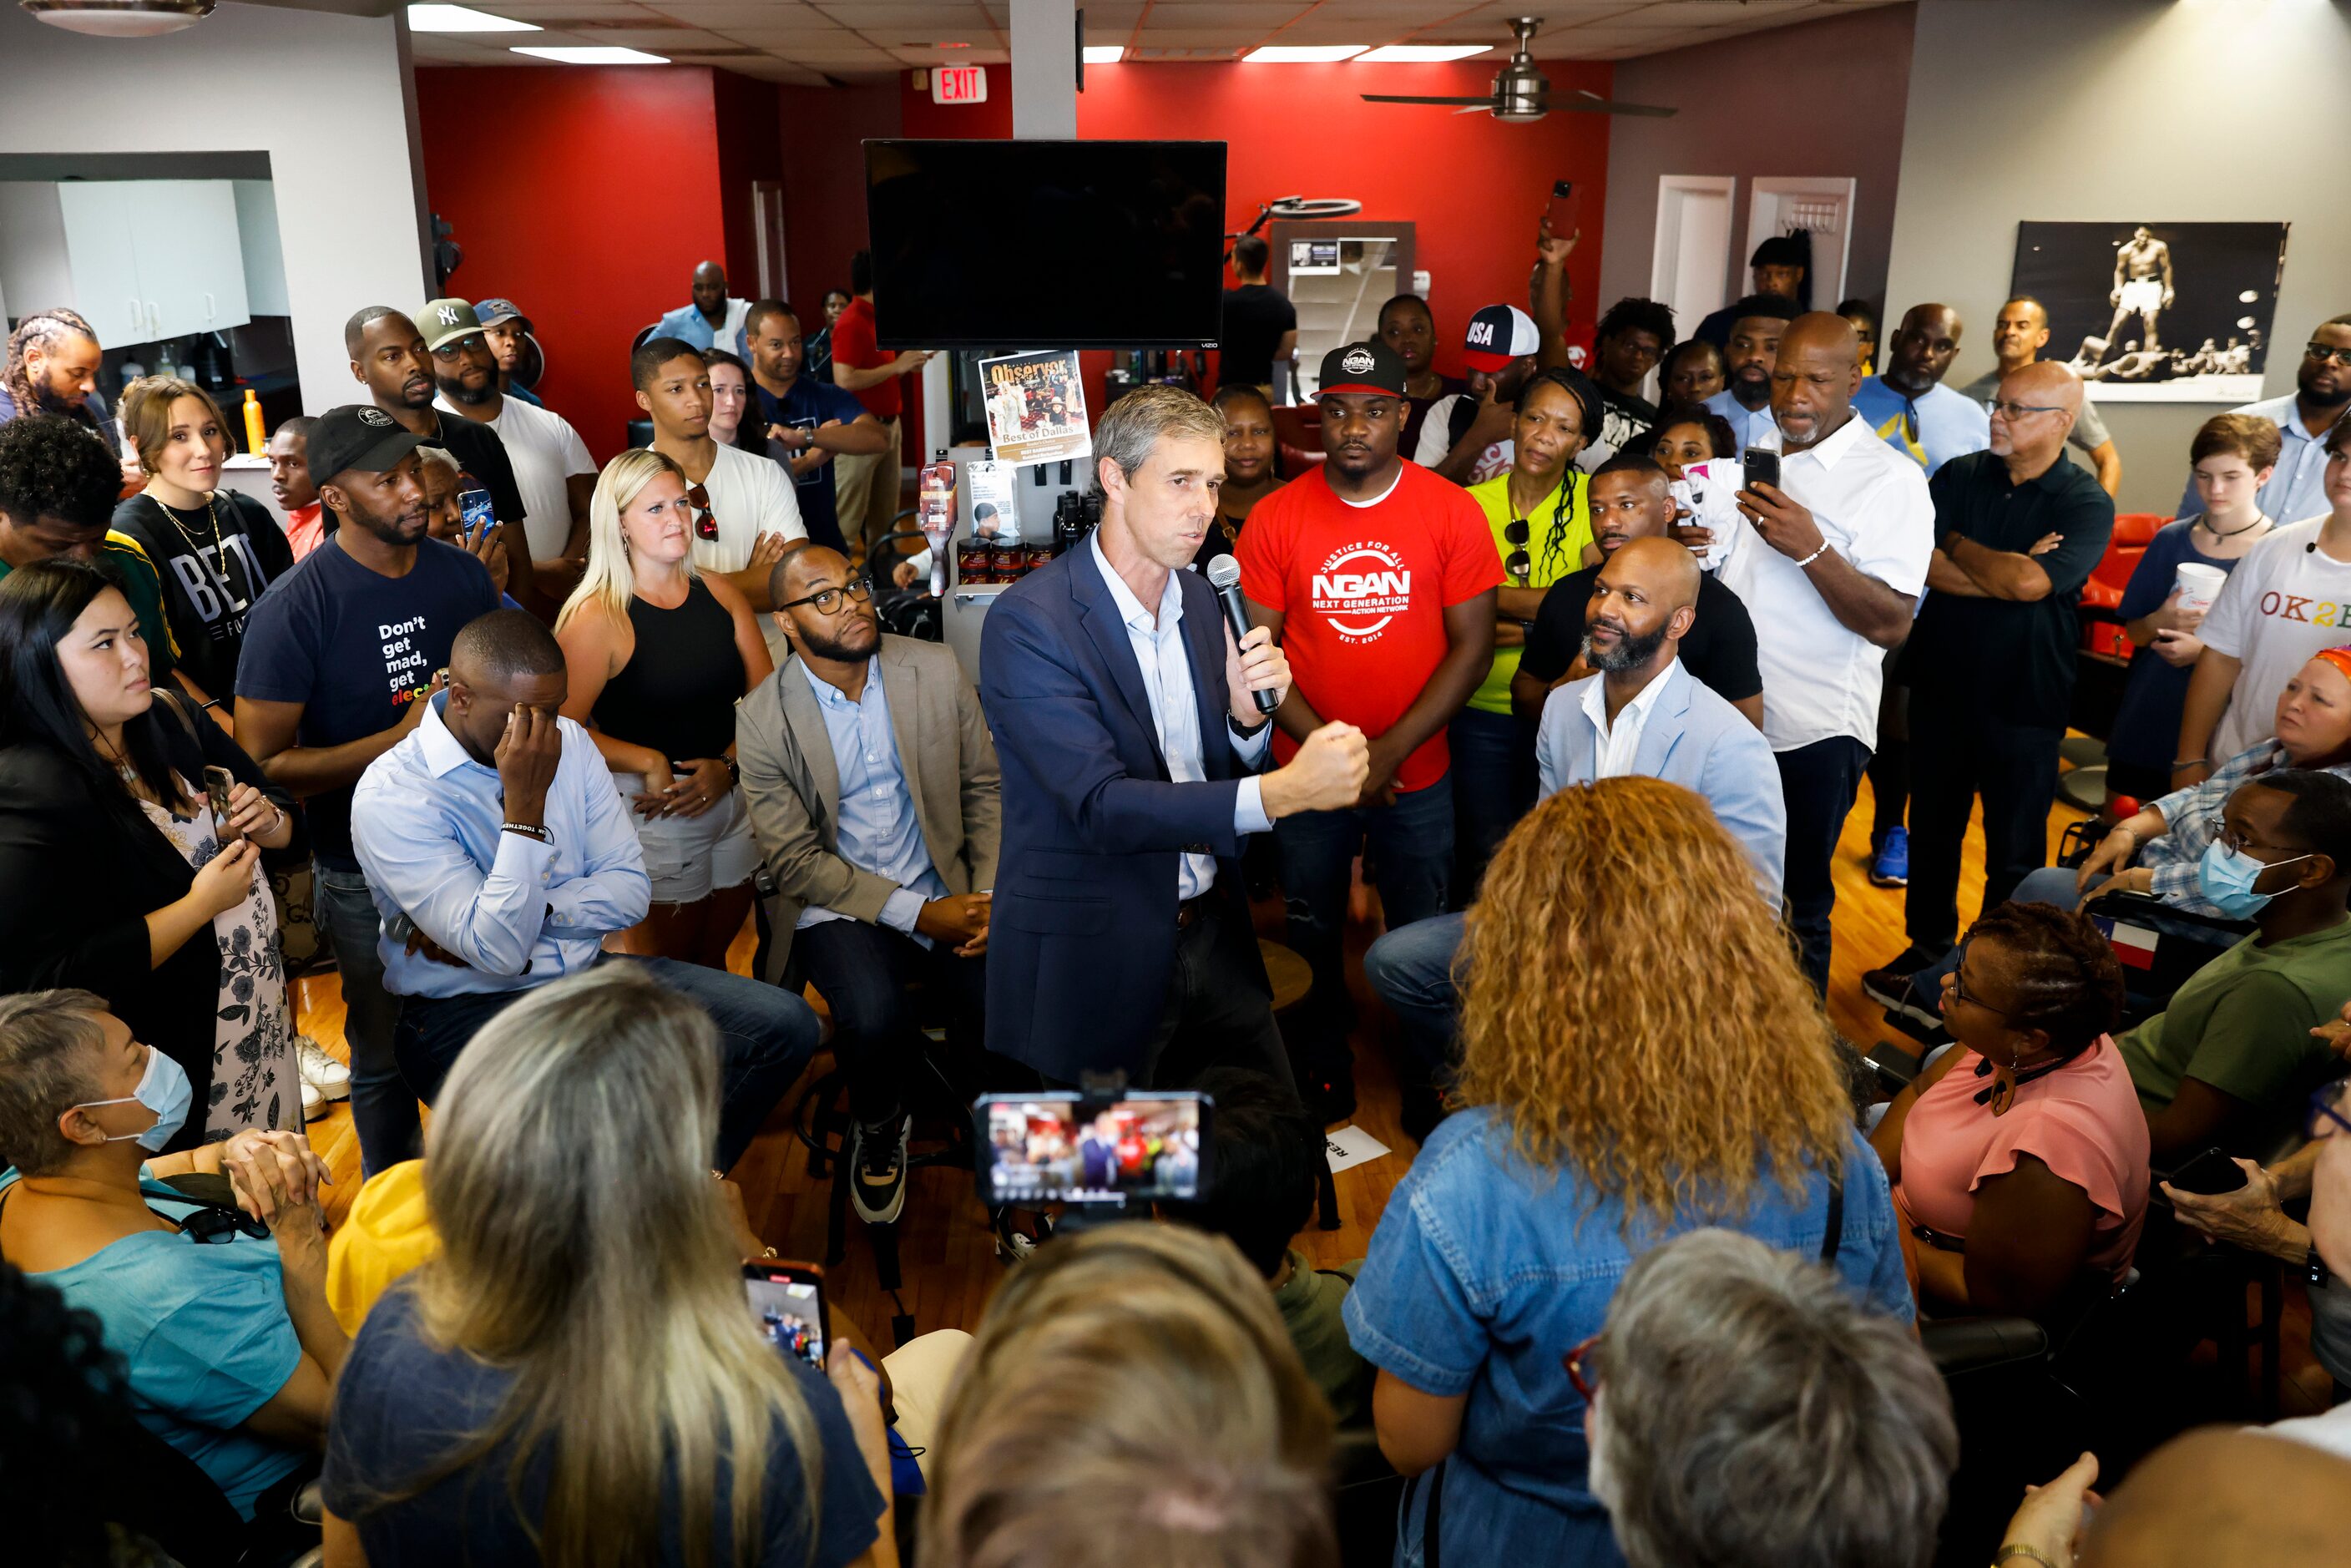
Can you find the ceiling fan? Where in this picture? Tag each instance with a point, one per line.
(1522, 93)
(147, 18)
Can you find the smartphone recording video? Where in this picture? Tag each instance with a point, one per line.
(789, 1298)
(1048, 1148)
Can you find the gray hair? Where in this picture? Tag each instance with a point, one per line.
(47, 1062)
(1769, 1418)
(439, 457)
(1133, 428)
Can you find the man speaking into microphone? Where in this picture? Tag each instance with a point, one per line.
(1128, 731)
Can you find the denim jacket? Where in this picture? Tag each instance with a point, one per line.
(1485, 1271)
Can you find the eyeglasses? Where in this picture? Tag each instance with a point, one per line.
(2016, 410)
(213, 1223)
(2326, 1104)
(705, 522)
(828, 600)
(2340, 353)
(1959, 986)
(1582, 1365)
(1516, 563)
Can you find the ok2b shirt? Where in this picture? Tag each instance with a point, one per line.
(1362, 591)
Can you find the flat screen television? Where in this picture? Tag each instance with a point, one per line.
(1046, 244)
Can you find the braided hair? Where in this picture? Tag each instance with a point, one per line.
(1587, 402)
(43, 329)
(2064, 975)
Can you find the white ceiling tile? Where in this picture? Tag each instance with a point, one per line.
(588, 11)
(788, 39)
(767, 14)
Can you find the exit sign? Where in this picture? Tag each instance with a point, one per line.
(959, 84)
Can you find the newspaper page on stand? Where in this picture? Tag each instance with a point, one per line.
(1036, 407)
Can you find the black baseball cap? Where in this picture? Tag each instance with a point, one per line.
(1370, 368)
(358, 437)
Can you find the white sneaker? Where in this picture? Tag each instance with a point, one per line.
(314, 1104)
(331, 1078)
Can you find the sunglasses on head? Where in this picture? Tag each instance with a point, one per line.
(705, 522)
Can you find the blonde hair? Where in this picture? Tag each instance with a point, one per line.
(1135, 1382)
(586, 1249)
(144, 413)
(610, 579)
(1634, 1008)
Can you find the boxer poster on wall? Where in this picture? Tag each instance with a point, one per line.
(1036, 407)
(2156, 312)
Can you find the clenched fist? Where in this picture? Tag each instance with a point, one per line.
(1326, 775)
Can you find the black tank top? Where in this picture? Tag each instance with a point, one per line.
(677, 692)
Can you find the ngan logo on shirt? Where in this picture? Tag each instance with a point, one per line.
(1359, 588)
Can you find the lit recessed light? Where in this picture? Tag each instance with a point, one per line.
(1104, 54)
(1420, 54)
(1303, 54)
(463, 19)
(955, 46)
(603, 55)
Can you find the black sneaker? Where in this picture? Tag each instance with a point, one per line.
(1892, 988)
(877, 1170)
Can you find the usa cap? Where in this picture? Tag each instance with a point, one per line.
(1496, 335)
(446, 321)
(1370, 368)
(357, 438)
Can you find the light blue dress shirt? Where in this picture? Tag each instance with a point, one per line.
(428, 824)
(1158, 643)
(2298, 489)
(879, 833)
(1757, 428)
(689, 325)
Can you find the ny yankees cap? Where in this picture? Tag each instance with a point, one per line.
(446, 321)
(356, 437)
(498, 312)
(1370, 368)
(1499, 334)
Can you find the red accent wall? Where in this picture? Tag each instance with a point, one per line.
(1474, 187)
(991, 121)
(823, 130)
(748, 150)
(586, 194)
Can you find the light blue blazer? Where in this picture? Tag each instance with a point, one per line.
(1694, 738)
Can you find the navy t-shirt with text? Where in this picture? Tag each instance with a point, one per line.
(808, 404)
(355, 648)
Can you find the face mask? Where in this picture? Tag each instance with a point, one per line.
(2226, 877)
(164, 1088)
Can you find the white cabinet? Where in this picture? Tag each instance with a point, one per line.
(143, 259)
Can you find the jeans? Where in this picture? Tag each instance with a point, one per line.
(1218, 1012)
(1955, 758)
(1411, 970)
(1494, 784)
(865, 972)
(1889, 764)
(383, 1109)
(764, 1038)
(1819, 782)
(1410, 845)
(2051, 884)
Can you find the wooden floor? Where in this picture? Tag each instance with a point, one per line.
(948, 1254)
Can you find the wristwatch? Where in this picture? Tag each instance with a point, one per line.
(1247, 731)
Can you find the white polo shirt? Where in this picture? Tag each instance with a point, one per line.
(1820, 679)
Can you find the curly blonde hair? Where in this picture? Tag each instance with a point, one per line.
(1634, 1008)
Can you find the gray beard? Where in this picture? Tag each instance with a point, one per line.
(1630, 653)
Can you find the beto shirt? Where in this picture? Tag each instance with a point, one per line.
(209, 581)
(355, 648)
(1929, 429)
(805, 404)
(1362, 591)
(1719, 650)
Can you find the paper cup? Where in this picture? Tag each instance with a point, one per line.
(2197, 586)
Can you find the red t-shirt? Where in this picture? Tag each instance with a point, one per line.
(1363, 592)
(852, 345)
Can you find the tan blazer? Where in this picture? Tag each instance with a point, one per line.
(793, 788)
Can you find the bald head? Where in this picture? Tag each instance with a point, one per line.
(1819, 370)
(1666, 571)
(1922, 348)
(1641, 608)
(710, 289)
(2035, 407)
(2221, 1499)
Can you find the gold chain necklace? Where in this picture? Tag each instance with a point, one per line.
(220, 552)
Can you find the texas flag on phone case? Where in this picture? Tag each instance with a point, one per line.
(2134, 946)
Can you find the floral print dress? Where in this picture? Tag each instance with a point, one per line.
(254, 1081)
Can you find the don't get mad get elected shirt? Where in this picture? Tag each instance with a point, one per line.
(1362, 591)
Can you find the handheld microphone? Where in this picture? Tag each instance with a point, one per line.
(1225, 576)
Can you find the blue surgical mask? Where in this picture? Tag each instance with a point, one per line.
(2226, 877)
(164, 1088)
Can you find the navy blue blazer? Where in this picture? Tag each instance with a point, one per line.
(1081, 939)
